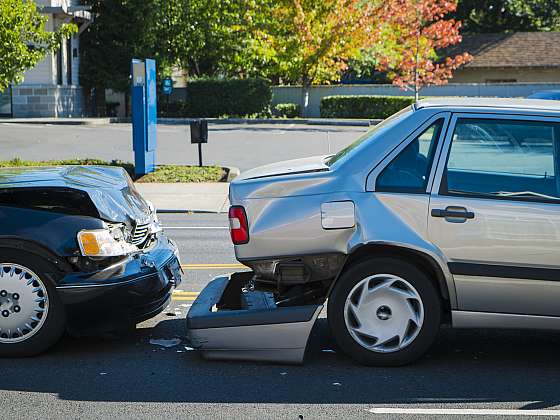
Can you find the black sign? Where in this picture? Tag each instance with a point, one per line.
(199, 131)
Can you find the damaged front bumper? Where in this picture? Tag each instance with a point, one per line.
(230, 323)
(125, 294)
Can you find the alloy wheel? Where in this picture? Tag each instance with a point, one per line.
(24, 303)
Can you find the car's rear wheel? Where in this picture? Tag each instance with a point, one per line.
(31, 315)
(384, 312)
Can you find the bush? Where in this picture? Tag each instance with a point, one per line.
(363, 106)
(227, 97)
(288, 110)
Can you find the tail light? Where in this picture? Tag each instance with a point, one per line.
(238, 226)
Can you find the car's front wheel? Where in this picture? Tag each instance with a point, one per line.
(31, 315)
(384, 312)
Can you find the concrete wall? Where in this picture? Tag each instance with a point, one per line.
(282, 94)
(47, 101)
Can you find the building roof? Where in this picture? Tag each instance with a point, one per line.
(517, 49)
(490, 104)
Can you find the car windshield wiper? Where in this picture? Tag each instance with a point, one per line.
(524, 194)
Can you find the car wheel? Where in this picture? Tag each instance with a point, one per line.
(32, 318)
(384, 312)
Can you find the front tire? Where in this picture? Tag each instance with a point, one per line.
(32, 318)
(384, 312)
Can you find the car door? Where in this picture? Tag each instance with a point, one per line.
(495, 212)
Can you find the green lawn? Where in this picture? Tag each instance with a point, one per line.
(164, 173)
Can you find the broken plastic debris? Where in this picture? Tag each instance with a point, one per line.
(172, 342)
(188, 348)
(328, 351)
(103, 373)
(283, 373)
(336, 383)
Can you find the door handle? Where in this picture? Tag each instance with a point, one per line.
(453, 212)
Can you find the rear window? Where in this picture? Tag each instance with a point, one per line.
(348, 150)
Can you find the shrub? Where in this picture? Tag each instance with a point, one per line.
(227, 97)
(288, 110)
(363, 106)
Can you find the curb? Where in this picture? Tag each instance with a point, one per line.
(186, 121)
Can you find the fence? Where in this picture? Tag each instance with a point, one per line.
(284, 94)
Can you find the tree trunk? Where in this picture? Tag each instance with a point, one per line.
(305, 88)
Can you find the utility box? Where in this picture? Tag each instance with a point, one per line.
(199, 131)
(144, 115)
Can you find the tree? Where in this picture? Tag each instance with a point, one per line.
(419, 32)
(508, 15)
(24, 41)
(311, 41)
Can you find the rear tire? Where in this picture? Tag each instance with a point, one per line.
(384, 312)
(32, 318)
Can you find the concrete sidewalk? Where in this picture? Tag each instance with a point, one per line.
(203, 197)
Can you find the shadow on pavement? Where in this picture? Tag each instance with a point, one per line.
(464, 367)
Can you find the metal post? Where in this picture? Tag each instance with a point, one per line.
(200, 154)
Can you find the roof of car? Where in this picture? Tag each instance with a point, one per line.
(534, 105)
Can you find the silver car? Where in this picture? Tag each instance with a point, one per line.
(448, 212)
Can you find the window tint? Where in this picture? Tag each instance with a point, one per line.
(503, 158)
(410, 170)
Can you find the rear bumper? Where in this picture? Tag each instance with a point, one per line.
(133, 291)
(220, 331)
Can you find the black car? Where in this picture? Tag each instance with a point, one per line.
(80, 250)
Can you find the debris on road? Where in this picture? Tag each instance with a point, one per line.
(167, 343)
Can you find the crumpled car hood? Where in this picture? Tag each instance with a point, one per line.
(110, 188)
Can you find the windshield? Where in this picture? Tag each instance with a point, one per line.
(366, 136)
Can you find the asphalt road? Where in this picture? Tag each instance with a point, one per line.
(468, 374)
(242, 146)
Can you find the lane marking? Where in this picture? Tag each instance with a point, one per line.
(184, 298)
(196, 227)
(464, 412)
(211, 266)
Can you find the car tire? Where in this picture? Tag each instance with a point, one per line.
(37, 299)
(379, 297)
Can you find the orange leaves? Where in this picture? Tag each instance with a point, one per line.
(419, 32)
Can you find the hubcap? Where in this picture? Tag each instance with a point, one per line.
(383, 313)
(24, 303)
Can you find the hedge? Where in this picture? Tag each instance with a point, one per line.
(222, 97)
(363, 106)
(287, 110)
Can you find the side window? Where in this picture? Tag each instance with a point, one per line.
(410, 170)
(503, 158)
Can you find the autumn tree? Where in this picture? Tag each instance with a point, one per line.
(24, 41)
(311, 41)
(419, 33)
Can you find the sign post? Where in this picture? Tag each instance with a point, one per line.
(144, 115)
(199, 135)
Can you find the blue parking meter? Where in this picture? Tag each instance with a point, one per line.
(144, 115)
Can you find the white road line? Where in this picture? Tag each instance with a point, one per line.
(464, 412)
(196, 227)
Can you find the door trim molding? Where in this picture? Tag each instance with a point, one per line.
(506, 271)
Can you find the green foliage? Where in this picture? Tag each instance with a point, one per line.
(179, 173)
(223, 97)
(509, 15)
(24, 41)
(288, 110)
(165, 173)
(363, 106)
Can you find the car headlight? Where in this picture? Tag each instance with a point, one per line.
(103, 243)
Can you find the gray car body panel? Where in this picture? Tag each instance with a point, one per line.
(283, 201)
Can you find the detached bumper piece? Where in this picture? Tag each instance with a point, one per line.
(227, 323)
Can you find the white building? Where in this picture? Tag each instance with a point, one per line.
(52, 88)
